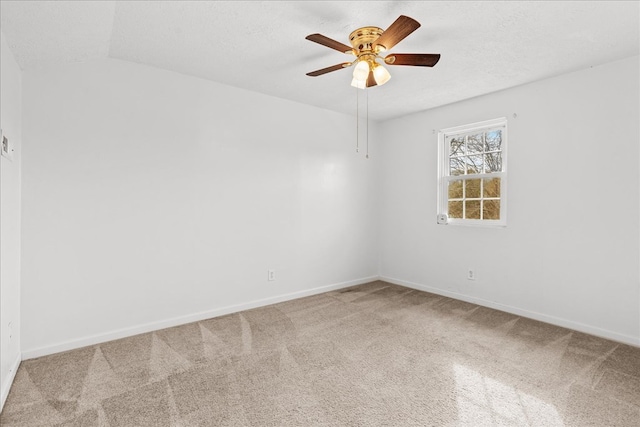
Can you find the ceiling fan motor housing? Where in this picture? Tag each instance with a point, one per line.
(362, 39)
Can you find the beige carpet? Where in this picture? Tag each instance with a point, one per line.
(371, 355)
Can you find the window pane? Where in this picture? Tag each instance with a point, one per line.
(456, 166)
(474, 144)
(472, 209)
(455, 190)
(455, 209)
(493, 162)
(470, 185)
(491, 209)
(493, 140)
(457, 146)
(491, 187)
(474, 164)
(473, 188)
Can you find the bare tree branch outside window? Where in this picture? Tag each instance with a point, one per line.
(471, 195)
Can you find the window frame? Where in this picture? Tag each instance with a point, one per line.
(444, 176)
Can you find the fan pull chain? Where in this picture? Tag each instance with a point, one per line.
(367, 91)
(357, 122)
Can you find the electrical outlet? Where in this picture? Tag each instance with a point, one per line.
(471, 275)
(271, 275)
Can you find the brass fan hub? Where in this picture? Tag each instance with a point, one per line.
(363, 38)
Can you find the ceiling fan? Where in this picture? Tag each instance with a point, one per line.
(368, 43)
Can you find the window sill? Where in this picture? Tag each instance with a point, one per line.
(479, 223)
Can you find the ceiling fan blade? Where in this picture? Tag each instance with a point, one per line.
(417, 59)
(371, 81)
(401, 28)
(326, 41)
(329, 69)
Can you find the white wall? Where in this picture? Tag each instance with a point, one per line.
(569, 254)
(152, 198)
(10, 121)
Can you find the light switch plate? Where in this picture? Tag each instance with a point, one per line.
(6, 149)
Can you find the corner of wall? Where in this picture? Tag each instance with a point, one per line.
(10, 224)
(8, 382)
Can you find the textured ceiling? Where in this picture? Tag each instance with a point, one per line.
(261, 46)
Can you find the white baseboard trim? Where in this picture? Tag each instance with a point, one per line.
(181, 320)
(6, 386)
(569, 324)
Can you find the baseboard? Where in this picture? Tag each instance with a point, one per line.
(576, 326)
(181, 320)
(9, 381)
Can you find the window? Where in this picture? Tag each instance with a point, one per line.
(473, 174)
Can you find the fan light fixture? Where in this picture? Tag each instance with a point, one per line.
(361, 71)
(364, 68)
(380, 74)
(360, 84)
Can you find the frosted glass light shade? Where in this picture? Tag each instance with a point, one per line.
(361, 72)
(381, 75)
(360, 84)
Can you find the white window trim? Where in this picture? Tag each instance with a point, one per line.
(443, 179)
